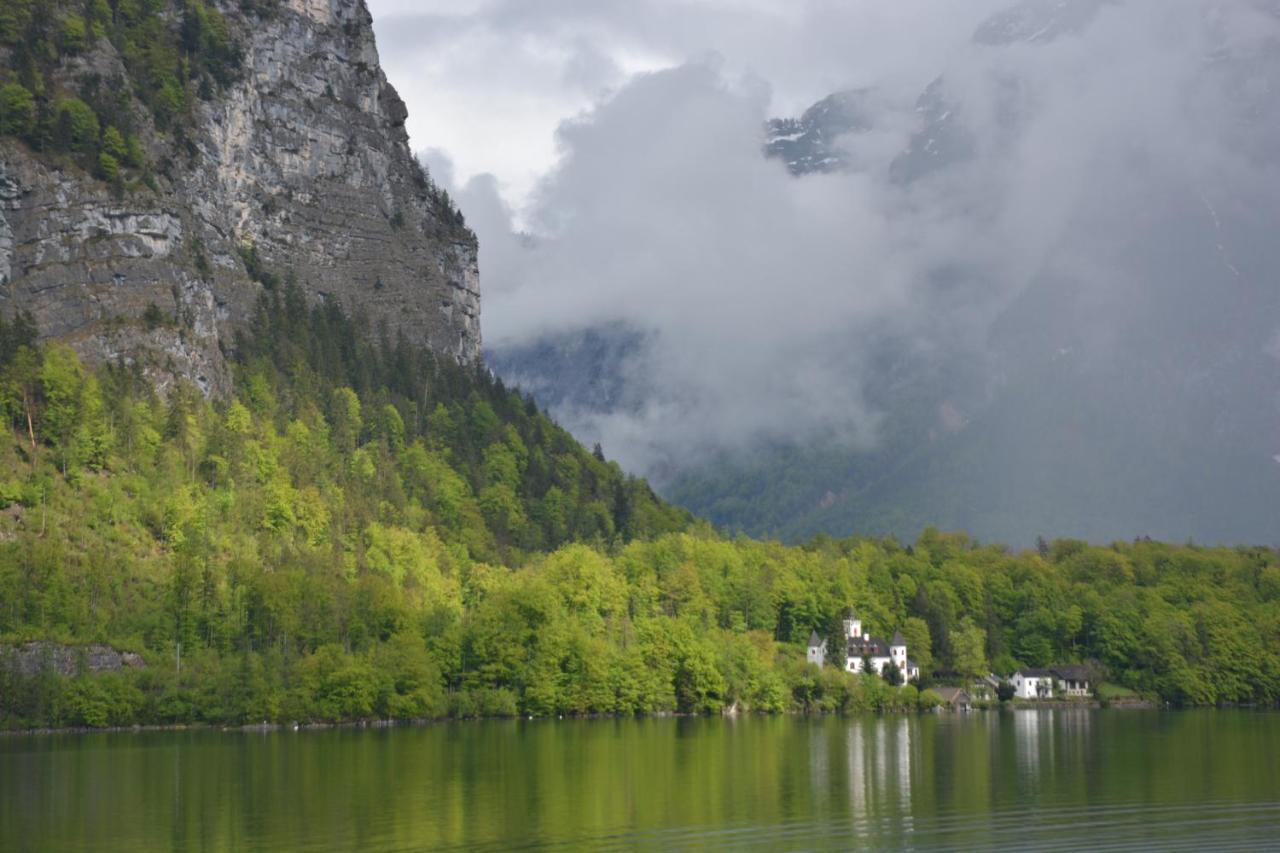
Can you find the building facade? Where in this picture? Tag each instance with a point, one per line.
(817, 651)
(863, 651)
(1032, 684)
(1067, 680)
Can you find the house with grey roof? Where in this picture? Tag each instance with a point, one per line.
(1073, 679)
(986, 687)
(1070, 680)
(956, 698)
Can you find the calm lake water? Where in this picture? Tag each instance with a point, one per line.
(1044, 780)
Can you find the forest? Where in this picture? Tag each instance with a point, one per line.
(363, 531)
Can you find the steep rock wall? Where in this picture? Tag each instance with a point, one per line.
(304, 160)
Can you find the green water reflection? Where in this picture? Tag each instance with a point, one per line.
(1047, 780)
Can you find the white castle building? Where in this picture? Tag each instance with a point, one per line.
(864, 650)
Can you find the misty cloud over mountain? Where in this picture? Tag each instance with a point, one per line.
(1033, 291)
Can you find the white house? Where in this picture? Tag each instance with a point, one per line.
(1066, 680)
(862, 649)
(817, 652)
(1032, 684)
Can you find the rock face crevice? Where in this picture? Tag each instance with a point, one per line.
(303, 163)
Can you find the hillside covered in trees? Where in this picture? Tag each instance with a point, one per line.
(366, 531)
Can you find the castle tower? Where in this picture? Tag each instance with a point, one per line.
(817, 651)
(898, 651)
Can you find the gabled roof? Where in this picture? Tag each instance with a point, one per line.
(815, 641)
(1072, 672)
(873, 647)
(897, 639)
(1034, 673)
(952, 695)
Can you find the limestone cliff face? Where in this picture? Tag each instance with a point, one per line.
(304, 160)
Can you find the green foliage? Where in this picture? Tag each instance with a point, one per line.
(1109, 692)
(256, 269)
(76, 124)
(367, 531)
(100, 701)
(74, 35)
(968, 643)
(892, 674)
(108, 167)
(173, 50)
(15, 17)
(17, 110)
(919, 642)
(113, 144)
(929, 700)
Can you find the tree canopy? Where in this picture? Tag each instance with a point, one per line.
(365, 530)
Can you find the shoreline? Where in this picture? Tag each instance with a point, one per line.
(274, 728)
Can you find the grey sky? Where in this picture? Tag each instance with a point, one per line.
(624, 137)
(489, 81)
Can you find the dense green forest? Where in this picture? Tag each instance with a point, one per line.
(365, 531)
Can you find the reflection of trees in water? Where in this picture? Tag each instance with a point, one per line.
(955, 781)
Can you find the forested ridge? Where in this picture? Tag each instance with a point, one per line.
(366, 531)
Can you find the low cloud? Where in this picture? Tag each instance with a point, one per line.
(764, 302)
(489, 81)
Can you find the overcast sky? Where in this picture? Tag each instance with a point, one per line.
(488, 82)
(623, 137)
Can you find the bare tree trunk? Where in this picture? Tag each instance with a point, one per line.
(31, 428)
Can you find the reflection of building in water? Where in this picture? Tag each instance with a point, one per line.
(1073, 734)
(879, 755)
(903, 767)
(1033, 732)
(819, 761)
(1075, 723)
(858, 776)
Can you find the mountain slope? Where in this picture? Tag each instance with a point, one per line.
(366, 524)
(366, 530)
(139, 207)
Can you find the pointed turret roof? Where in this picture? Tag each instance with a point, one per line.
(898, 639)
(814, 640)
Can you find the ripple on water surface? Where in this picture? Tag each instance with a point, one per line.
(1049, 780)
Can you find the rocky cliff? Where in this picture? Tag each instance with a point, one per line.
(32, 659)
(297, 169)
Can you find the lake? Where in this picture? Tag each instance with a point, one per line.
(1050, 779)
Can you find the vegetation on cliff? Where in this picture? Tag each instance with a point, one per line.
(62, 101)
(367, 531)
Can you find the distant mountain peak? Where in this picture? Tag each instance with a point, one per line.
(1038, 21)
(808, 144)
